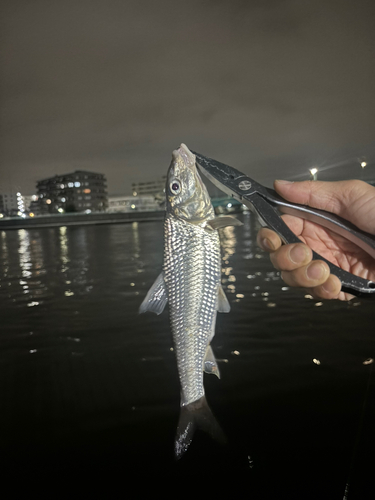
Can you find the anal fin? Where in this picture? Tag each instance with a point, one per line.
(210, 363)
(223, 303)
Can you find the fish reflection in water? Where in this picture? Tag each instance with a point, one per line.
(228, 243)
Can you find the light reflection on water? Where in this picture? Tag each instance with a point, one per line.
(75, 350)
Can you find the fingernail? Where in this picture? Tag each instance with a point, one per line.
(315, 271)
(268, 244)
(279, 181)
(298, 254)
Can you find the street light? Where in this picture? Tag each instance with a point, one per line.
(314, 174)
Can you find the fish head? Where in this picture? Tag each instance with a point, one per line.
(187, 196)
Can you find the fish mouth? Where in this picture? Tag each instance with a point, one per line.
(185, 154)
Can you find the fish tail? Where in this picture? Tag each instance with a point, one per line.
(193, 416)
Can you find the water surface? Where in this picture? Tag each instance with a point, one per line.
(89, 389)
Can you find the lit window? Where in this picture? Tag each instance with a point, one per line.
(63, 200)
(48, 202)
(70, 184)
(87, 191)
(77, 184)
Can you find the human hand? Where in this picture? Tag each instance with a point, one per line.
(354, 201)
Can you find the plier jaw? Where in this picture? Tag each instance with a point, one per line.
(268, 206)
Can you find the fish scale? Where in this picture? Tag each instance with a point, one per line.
(192, 276)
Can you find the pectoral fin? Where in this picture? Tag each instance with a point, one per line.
(224, 221)
(156, 297)
(223, 304)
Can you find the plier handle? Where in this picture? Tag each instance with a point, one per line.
(267, 205)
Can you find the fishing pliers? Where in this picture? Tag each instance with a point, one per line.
(268, 206)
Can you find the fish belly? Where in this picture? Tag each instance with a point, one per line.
(192, 272)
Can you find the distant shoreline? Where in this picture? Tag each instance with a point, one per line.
(79, 219)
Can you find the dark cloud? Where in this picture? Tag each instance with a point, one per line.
(271, 87)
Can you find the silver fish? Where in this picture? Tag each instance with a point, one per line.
(191, 282)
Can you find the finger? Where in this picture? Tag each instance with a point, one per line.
(330, 289)
(353, 200)
(268, 240)
(295, 224)
(290, 257)
(317, 194)
(314, 274)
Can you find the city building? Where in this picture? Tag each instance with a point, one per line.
(131, 204)
(152, 188)
(11, 204)
(79, 191)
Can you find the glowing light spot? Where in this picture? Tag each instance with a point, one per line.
(240, 295)
(318, 304)
(368, 361)
(316, 361)
(68, 293)
(236, 353)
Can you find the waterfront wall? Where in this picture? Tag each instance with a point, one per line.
(77, 219)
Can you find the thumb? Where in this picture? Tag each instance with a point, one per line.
(353, 200)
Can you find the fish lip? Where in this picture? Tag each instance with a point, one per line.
(187, 156)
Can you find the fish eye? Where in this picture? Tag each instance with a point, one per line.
(175, 186)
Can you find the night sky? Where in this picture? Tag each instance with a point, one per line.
(271, 87)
